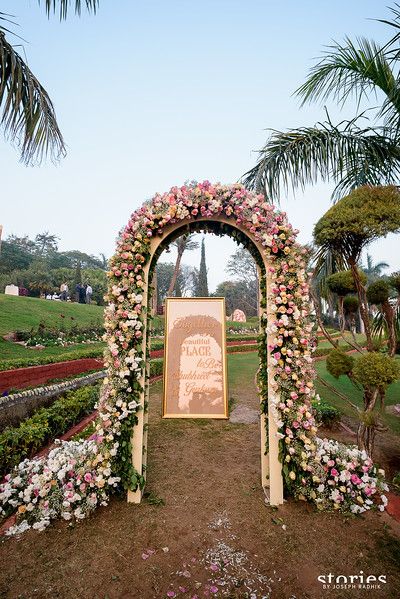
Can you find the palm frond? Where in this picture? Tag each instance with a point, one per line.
(28, 117)
(350, 71)
(392, 53)
(347, 154)
(63, 6)
(325, 262)
(379, 326)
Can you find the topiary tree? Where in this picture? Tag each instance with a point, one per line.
(356, 220)
(366, 214)
(394, 281)
(350, 309)
(342, 284)
(378, 293)
(339, 363)
(375, 372)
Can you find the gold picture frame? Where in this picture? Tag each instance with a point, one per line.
(195, 381)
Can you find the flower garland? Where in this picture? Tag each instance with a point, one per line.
(83, 474)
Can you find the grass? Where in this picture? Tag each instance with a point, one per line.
(325, 343)
(344, 385)
(25, 313)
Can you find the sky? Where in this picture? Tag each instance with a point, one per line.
(152, 94)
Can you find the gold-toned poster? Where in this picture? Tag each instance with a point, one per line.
(195, 384)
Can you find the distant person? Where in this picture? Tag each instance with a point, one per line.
(64, 292)
(82, 294)
(89, 293)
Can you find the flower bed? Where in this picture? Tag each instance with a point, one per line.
(25, 440)
(18, 406)
(44, 336)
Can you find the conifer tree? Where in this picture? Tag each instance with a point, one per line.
(202, 284)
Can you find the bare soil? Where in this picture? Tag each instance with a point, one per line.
(203, 530)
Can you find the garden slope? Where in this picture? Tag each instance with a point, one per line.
(25, 313)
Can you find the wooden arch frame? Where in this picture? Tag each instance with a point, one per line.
(271, 467)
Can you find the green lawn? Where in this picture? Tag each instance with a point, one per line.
(242, 369)
(25, 313)
(344, 385)
(322, 343)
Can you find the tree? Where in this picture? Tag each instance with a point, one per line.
(28, 116)
(13, 257)
(366, 214)
(72, 257)
(350, 153)
(242, 265)
(24, 243)
(45, 244)
(184, 283)
(184, 243)
(342, 284)
(77, 280)
(374, 271)
(201, 288)
(237, 296)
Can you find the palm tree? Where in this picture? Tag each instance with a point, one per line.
(28, 117)
(360, 151)
(184, 243)
(373, 271)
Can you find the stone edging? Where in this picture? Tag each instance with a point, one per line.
(51, 390)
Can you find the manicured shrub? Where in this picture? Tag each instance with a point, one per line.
(326, 414)
(338, 363)
(394, 281)
(375, 369)
(350, 304)
(342, 283)
(23, 441)
(378, 292)
(156, 367)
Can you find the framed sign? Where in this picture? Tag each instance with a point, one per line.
(195, 373)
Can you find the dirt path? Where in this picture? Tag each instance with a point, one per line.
(204, 530)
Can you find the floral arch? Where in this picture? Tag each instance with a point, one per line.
(76, 477)
(286, 374)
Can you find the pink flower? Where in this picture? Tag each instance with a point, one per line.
(214, 589)
(214, 567)
(171, 594)
(334, 472)
(88, 477)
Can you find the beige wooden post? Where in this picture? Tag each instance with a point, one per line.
(275, 467)
(263, 419)
(139, 432)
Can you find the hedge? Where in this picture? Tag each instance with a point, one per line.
(23, 441)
